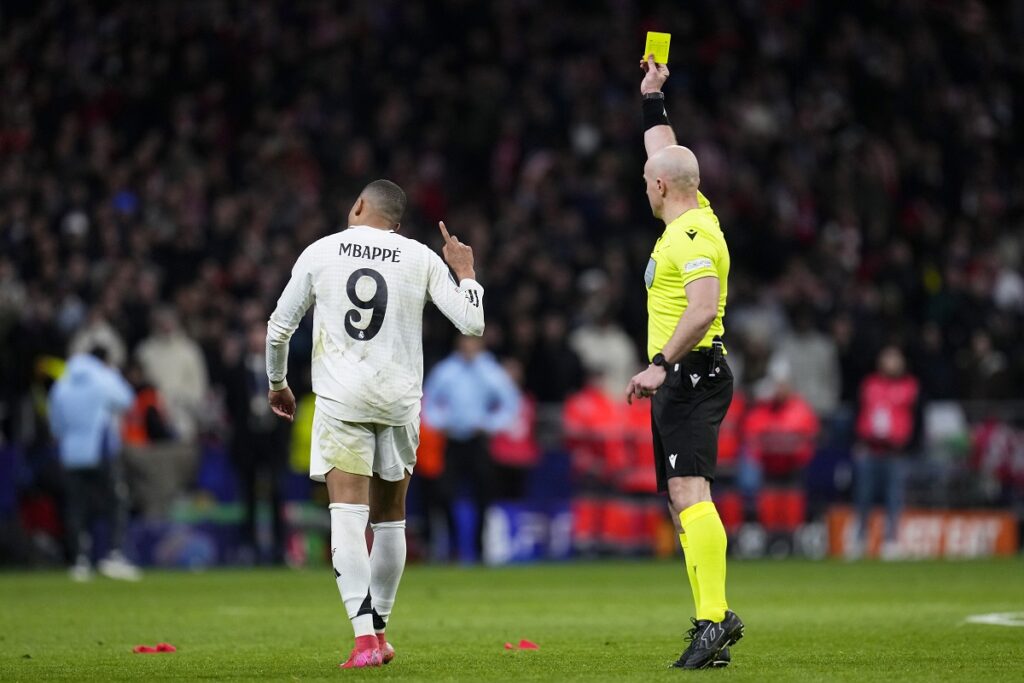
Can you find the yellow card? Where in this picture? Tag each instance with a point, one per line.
(657, 43)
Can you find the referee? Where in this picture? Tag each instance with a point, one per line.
(688, 379)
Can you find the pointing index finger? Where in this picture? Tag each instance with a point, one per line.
(444, 232)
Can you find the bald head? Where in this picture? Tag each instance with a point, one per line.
(381, 204)
(677, 167)
(672, 177)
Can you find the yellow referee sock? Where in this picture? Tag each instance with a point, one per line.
(691, 572)
(706, 543)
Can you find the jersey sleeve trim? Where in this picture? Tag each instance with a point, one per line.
(700, 275)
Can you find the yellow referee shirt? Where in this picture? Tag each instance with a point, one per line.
(691, 247)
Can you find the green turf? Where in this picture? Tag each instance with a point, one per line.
(603, 621)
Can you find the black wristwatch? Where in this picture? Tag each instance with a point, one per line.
(659, 359)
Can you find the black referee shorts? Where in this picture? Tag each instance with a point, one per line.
(686, 412)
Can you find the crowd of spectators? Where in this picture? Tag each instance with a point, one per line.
(163, 163)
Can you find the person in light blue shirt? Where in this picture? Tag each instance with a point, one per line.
(83, 406)
(469, 394)
(469, 397)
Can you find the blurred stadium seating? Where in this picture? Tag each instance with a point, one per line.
(865, 160)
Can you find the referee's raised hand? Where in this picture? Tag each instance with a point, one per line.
(457, 255)
(655, 75)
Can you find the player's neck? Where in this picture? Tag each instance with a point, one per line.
(375, 226)
(674, 208)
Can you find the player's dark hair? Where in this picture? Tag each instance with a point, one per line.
(387, 198)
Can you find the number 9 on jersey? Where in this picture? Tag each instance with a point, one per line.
(377, 304)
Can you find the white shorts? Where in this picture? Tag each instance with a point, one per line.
(362, 448)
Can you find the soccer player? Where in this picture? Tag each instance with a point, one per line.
(368, 286)
(688, 379)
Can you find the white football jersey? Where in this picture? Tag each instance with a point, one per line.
(368, 288)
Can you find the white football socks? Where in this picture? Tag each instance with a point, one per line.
(351, 563)
(387, 562)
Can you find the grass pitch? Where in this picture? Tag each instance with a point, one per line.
(600, 621)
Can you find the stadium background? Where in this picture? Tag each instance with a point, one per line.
(171, 159)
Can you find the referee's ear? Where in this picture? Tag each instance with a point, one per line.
(398, 226)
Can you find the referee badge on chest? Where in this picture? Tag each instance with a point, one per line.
(652, 265)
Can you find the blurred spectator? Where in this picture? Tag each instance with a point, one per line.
(514, 446)
(431, 484)
(888, 423)
(997, 453)
(97, 332)
(146, 421)
(554, 370)
(780, 433)
(470, 397)
(605, 347)
(813, 363)
(595, 432)
(730, 432)
(259, 443)
(932, 365)
(853, 361)
(780, 429)
(985, 370)
(84, 406)
(157, 465)
(615, 504)
(176, 367)
(601, 344)
(753, 359)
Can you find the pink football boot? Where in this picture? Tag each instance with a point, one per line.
(365, 654)
(387, 653)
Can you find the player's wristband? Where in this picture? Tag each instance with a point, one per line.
(654, 110)
(279, 386)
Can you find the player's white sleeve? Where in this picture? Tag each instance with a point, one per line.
(463, 304)
(291, 307)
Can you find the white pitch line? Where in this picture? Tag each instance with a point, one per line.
(998, 619)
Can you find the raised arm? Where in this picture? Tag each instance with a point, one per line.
(658, 133)
(462, 303)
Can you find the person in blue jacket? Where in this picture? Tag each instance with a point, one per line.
(84, 405)
(469, 396)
